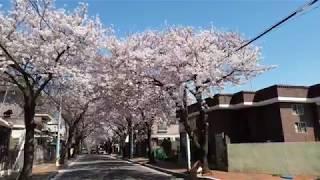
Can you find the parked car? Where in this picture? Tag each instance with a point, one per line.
(101, 151)
(93, 151)
(84, 151)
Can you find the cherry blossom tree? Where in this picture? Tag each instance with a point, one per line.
(132, 102)
(89, 124)
(124, 102)
(185, 60)
(117, 123)
(74, 110)
(120, 99)
(39, 43)
(154, 108)
(79, 101)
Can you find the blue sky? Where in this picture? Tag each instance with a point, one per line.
(294, 47)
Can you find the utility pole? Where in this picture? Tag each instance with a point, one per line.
(185, 97)
(58, 135)
(188, 151)
(130, 140)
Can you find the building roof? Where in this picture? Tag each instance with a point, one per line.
(268, 95)
(47, 117)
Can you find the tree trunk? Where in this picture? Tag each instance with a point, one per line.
(78, 145)
(202, 134)
(130, 132)
(203, 137)
(122, 146)
(29, 111)
(150, 155)
(65, 151)
(200, 138)
(62, 153)
(69, 142)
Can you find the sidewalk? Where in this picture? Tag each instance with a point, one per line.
(180, 171)
(39, 172)
(222, 175)
(43, 171)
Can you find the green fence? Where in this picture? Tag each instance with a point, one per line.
(275, 158)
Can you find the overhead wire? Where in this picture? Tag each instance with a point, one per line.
(301, 9)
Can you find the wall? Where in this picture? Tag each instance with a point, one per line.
(293, 91)
(256, 124)
(275, 158)
(289, 119)
(220, 121)
(316, 112)
(15, 149)
(4, 148)
(263, 123)
(44, 152)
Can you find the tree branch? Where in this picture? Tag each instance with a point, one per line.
(155, 81)
(43, 85)
(16, 82)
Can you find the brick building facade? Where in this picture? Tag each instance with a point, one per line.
(278, 113)
(274, 114)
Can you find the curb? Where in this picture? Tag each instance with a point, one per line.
(178, 175)
(207, 177)
(72, 161)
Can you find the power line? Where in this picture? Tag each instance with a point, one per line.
(301, 9)
(296, 12)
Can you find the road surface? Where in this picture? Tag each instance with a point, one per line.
(101, 167)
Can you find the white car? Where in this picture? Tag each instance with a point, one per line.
(101, 151)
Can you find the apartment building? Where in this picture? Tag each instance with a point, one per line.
(279, 113)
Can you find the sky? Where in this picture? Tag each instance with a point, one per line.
(293, 47)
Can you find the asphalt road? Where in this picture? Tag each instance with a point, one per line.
(98, 167)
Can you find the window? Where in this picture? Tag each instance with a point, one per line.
(162, 128)
(301, 127)
(297, 109)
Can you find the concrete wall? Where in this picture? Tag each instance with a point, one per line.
(275, 158)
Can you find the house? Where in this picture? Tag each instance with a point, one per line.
(279, 113)
(164, 131)
(5, 133)
(49, 135)
(11, 111)
(45, 137)
(160, 132)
